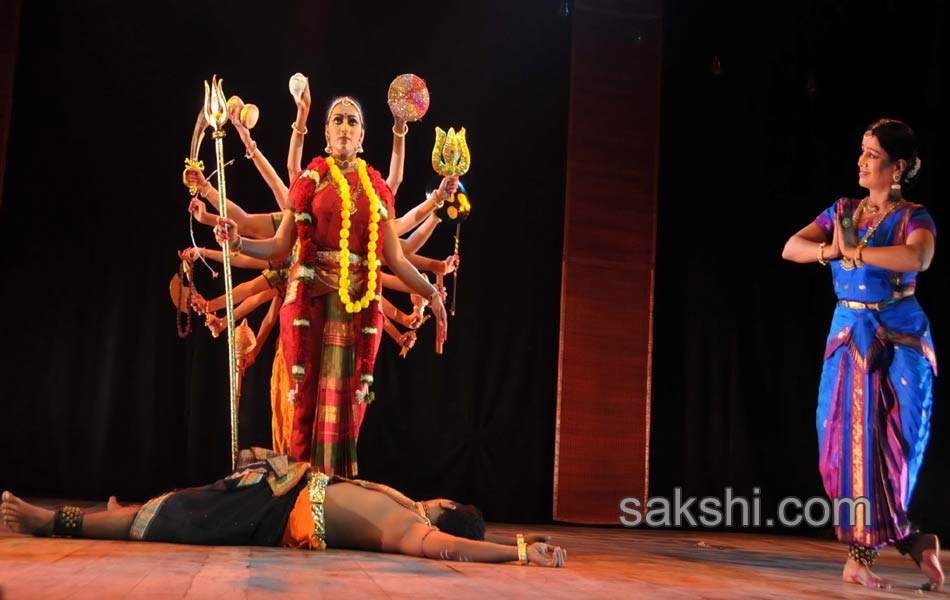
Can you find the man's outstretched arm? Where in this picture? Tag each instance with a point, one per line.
(432, 543)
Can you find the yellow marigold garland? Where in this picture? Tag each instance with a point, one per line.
(372, 261)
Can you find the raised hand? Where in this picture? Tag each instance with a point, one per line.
(198, 303)
(450, 264)
(226, 233)
(407, 339)
(441, 322)
(449, 185)
(197, 208)
(304, 102)
(191, 254)
(845, 233)
(215, 324)
(196, 177)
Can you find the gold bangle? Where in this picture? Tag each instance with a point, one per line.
(249, 152)
(821, 258)
(522, 549)
(294, 127)
(405, 130)
(858, 261)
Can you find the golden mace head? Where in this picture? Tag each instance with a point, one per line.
(216, 107)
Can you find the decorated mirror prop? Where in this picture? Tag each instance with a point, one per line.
(408, 97)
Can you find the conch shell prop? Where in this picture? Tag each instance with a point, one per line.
(297, 84)
(248, 114)
(244, 340)
(408, 97)
(450, 155)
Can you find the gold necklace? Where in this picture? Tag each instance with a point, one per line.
(867, 206)
(345, 164)
(849, 263)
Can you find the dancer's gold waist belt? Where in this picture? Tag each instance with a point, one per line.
(852, 304)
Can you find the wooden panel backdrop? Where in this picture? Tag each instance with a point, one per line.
(603, 412)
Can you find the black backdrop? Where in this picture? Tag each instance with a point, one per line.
(100, 396)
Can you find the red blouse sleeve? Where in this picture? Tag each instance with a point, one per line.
(302, 189)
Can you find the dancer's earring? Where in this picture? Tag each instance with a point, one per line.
(894, 193)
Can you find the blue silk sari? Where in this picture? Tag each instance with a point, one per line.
(876, 390)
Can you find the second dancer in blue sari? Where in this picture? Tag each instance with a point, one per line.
(876, 390)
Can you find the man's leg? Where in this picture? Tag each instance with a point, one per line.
(23, 517)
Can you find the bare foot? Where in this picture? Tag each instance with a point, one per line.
(22, 517)
(113, 504)
(926, 553)
(855, 572)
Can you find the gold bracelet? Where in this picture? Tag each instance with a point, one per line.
(294, 127)
(249, 152)
(858, 261)
(205, 190)
(404, 131)
(522, 549)
(821, 258)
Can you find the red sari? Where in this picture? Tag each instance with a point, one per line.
(329, 353)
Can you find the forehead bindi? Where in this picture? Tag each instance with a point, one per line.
(342, 110)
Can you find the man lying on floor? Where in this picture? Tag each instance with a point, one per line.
(273, 500)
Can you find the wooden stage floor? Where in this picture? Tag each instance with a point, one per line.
(602, 563)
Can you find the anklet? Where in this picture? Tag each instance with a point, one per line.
(862, 554)
(67, 521)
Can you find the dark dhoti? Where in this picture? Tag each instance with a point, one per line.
(249, 507)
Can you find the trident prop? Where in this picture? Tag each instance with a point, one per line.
(216, 116)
